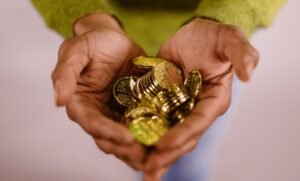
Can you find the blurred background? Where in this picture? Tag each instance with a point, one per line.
(38, 142)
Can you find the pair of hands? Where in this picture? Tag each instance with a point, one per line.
(100, 52)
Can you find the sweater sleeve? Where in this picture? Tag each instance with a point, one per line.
(60, 15)
(247, 14)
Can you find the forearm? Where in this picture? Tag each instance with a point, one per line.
(246, 14)
(60, 15)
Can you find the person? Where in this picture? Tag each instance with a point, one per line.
(102, 37)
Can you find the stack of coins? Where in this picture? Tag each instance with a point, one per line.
(161, 76)
(156, 100)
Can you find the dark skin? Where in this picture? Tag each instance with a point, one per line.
(218, 51)
(87, 66)
(100, 52)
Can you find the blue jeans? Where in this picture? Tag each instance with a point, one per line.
(197, 165)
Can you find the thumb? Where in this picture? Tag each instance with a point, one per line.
(73, 57)
(166, 51)
(236, 48)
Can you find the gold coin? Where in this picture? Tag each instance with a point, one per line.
(146, 85)
(181, 112)
(132, 83)
(122, 92)
(161, 76)
(146, 62)
(138, 111)
(193, 82)
(148, 130)
(156, 100)
(167, 74)
(170, 99)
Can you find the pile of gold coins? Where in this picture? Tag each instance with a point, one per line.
(157, 100)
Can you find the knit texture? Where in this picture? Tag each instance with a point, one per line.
(150, 27)
(60, 15)
(247, 14)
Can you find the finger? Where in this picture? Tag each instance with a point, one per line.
(165, 52)
(133, 155)
(72, 59)
(162, 158)
(213, 103)
(131, 164)
(236, 48)
(156, 176)
(89, 117)
(132, 152)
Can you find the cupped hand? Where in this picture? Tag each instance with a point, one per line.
(87, 66)
(217, 50)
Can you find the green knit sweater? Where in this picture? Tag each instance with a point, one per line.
(151, 22)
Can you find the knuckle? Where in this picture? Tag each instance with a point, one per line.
(55, 74)
(66, 44)
(70, 46)
(63, 48)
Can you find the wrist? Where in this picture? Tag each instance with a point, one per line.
(92, 21)
(196, 18)
(204, 19)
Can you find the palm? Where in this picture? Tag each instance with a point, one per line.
(107, 62)
(194, 47)
(88, 65)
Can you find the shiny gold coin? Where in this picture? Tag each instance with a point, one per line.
(148, 130)
(161, 76)
(138, 111)
(132, 83)
(124, 99)
(181, 112)
(156, 100)
(170, 99)
(193, 82)
(146, 62)
(122, 92)
(167, 74)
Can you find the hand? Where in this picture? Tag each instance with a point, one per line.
(87, 66)
(216, 50)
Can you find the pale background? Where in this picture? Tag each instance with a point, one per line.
(38, 142)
